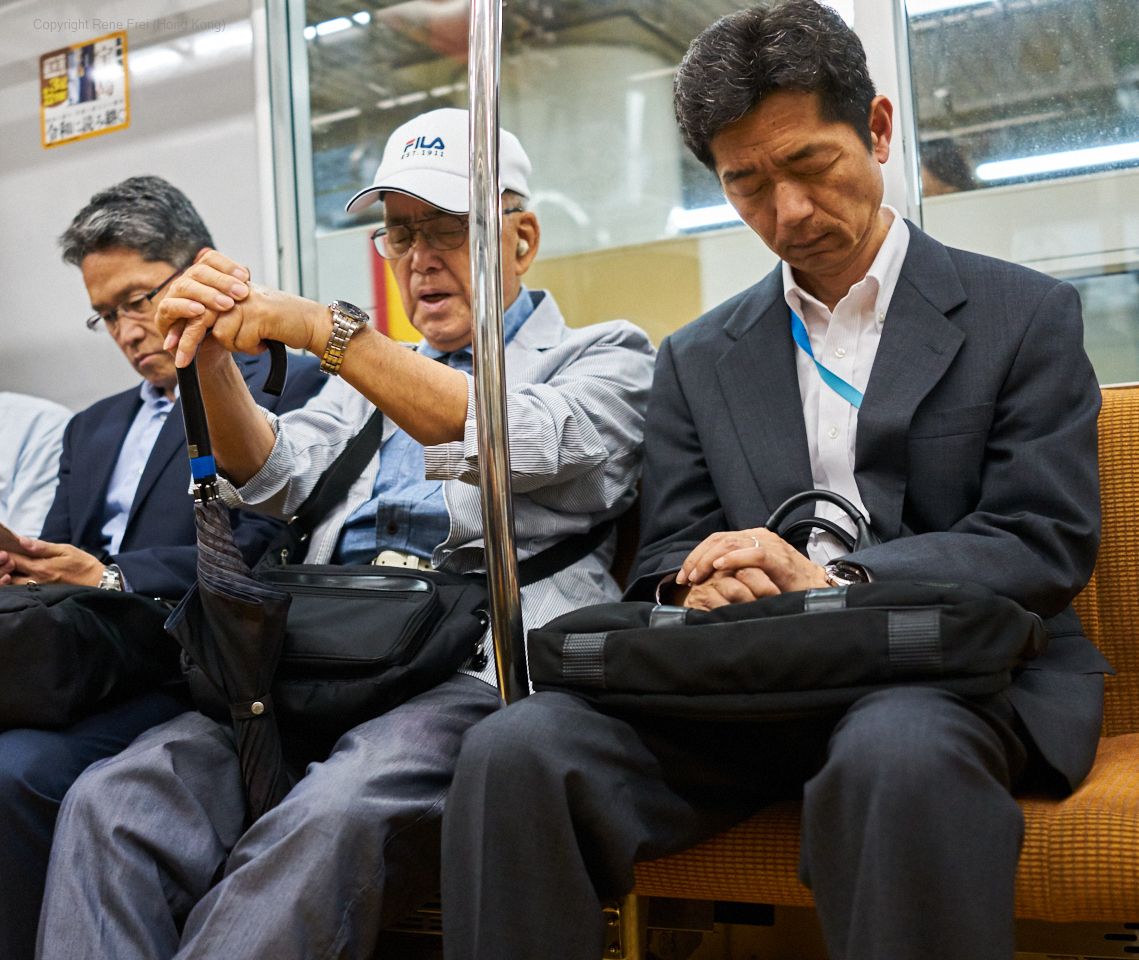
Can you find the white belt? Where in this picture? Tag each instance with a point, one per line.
(397, 558)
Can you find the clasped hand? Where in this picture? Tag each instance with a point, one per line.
(215, 295)
(744, 565)
(44, 562)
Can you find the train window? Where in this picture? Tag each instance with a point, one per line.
(1013, 91)
(1111, 324)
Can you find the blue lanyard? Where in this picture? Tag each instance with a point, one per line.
(832, 380)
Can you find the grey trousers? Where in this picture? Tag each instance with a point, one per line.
(910, 835)
(150, 861)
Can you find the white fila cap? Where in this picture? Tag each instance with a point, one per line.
(428, 158)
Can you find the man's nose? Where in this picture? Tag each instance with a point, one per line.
(792, 204)
(131, 330)
(422, 257)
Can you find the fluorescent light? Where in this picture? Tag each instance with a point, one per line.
(681, 220)
(916, 8)
(327, 118)
(310, 33)
(363, 17)
(154, 60)
(210, 43)
(332, 26)
(1055, 162)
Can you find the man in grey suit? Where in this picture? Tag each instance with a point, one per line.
(948, 396)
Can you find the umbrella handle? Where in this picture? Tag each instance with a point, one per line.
(202, 466)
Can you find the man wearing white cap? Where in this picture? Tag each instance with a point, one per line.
(150, 859)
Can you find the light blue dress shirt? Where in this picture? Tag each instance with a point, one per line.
(408, 512)
(31, 437)
(135, 452)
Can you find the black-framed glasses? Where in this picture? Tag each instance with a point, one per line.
(139, 308)
(440, 232)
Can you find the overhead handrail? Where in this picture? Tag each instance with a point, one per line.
(489, 351)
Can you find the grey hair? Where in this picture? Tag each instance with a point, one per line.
(782, 45)
(145, 214)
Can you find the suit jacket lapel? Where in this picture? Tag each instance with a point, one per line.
(171, 441)
(760, 385)
(918, 344)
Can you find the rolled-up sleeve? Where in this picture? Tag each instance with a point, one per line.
(576, 435)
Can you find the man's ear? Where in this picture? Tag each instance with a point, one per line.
(527, 243)
(881, 128)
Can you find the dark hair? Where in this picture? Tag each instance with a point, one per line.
(943, 159)
(146, 214)
(783, 45)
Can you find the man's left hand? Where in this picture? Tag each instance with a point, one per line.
(44, 562)
(755, 557)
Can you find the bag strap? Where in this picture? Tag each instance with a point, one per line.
(564, 553)
(337, 480)
(345, 470)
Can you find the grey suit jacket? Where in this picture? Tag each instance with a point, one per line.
(976, 454)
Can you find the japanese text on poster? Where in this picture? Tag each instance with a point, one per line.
(84, 90)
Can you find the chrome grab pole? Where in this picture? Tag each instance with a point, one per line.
(490, 378)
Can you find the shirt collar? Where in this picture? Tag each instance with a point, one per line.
(884, 271)
(512, 319)
(153, 397)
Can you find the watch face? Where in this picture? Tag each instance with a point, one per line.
(350, 310)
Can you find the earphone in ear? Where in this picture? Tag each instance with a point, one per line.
(523, 248)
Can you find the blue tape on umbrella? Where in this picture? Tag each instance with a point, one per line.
(202, 467)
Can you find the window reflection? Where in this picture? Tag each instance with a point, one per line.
(1026, 89)
(586, 86)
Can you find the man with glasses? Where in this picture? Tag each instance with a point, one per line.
(122, 517)
(355, 844)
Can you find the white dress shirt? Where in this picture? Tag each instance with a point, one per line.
(845, 342)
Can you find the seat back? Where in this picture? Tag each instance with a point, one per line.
(1109, 605)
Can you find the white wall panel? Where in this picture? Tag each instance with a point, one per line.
(194, 121)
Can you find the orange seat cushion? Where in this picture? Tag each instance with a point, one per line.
(1079, 860)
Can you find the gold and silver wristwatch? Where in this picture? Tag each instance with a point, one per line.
(347, 321)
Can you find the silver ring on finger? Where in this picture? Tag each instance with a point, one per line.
(756, 542)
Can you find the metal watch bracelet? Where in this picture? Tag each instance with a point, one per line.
(347, 321)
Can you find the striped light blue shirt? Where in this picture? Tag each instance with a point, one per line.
(135, 452)
(406, 511)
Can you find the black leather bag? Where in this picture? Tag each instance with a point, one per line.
(68, 651)
(360, 640)
(789, 655)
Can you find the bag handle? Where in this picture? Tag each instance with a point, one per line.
(864, 536)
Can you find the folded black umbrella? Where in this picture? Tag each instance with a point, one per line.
(230, 624)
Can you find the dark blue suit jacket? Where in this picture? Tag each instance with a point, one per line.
(159, 554)
(976, 454)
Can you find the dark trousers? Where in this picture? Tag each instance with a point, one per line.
(36, 769)
(910, 834)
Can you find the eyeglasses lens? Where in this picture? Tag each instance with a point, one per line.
(439, 233)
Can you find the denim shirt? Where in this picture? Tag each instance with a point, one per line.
(408, 512)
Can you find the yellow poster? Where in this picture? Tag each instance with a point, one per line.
(84, 90)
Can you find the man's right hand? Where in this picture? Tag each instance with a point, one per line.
(215, 295)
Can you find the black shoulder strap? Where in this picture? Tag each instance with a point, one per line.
(562, 554)
(337, 480)
(345, 470)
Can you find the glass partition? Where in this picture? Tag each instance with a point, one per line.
(1009, 91)
(626, 213)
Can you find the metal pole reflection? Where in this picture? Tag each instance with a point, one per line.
(490, 379)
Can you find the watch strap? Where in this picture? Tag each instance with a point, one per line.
(344, 327)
